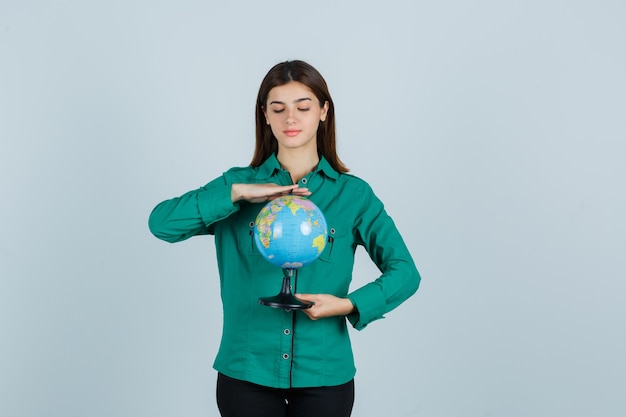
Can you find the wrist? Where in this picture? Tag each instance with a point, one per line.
(349, 307)
(235, 193)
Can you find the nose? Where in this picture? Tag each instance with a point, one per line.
(291, 119)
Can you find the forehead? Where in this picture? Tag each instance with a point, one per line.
(290, 92)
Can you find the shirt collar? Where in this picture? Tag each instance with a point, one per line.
(268, 167)
(325, 167)
(271, 165)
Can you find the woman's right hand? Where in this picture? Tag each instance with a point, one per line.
(258, 193)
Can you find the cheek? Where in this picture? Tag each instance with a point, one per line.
(274, 125)
(273, 122)
(274, 118)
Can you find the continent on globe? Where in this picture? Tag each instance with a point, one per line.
(290, 232)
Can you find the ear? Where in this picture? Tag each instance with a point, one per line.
(267, 122)
(324, 112)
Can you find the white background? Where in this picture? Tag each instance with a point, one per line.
(494, 131)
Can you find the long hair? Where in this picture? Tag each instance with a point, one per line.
(304, 73)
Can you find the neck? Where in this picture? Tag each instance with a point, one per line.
(299, 164)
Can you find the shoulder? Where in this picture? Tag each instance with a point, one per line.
(355, 183)
(231, 176)
(358, 190)
(236, 174)
(240, 170)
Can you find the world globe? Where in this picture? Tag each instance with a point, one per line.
(290, 232)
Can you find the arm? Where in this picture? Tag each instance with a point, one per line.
(258, 193)
(326, 305)
(385, 246)
(376, 231)
(195, 212)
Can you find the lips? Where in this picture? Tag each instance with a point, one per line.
(291, 133)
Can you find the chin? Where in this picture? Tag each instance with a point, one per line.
(291, 144)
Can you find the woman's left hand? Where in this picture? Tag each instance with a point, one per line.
(326, 305)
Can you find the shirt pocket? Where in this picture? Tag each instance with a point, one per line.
(339, 241)
(245, 231)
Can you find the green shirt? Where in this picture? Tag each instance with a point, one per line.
(275, 347)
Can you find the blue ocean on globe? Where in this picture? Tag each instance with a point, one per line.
(290, 232)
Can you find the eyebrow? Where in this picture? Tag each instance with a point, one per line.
(300, 100)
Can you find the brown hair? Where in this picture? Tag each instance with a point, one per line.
(304, 73)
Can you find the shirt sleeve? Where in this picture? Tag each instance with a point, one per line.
(385, 246)
(193, 213)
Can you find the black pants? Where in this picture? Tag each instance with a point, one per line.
(237, 398)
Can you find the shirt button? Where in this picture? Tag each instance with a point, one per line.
(287, 332)
(332, 231)
(285, 356)
(304, 180)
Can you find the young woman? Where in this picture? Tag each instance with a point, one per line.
(275, 362)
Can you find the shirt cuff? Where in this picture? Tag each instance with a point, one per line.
(216, 204)
(369, 302)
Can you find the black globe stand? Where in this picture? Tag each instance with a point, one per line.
(285, 299)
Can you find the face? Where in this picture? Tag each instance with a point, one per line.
(294, 113)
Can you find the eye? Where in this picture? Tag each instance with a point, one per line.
(306, 109)
(278, 110)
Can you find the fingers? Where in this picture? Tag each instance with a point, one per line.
(301, 191)
(287, 188)
(294, 189)
(306, 297)
(310, 312)
(257, 193)
(290, 189)
(326, 305)
(320, 308)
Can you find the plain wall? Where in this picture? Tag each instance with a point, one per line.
(494, 131)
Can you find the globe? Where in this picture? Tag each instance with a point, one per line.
(290, 232)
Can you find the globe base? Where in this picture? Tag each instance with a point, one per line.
(285, 299)
(286, 302)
